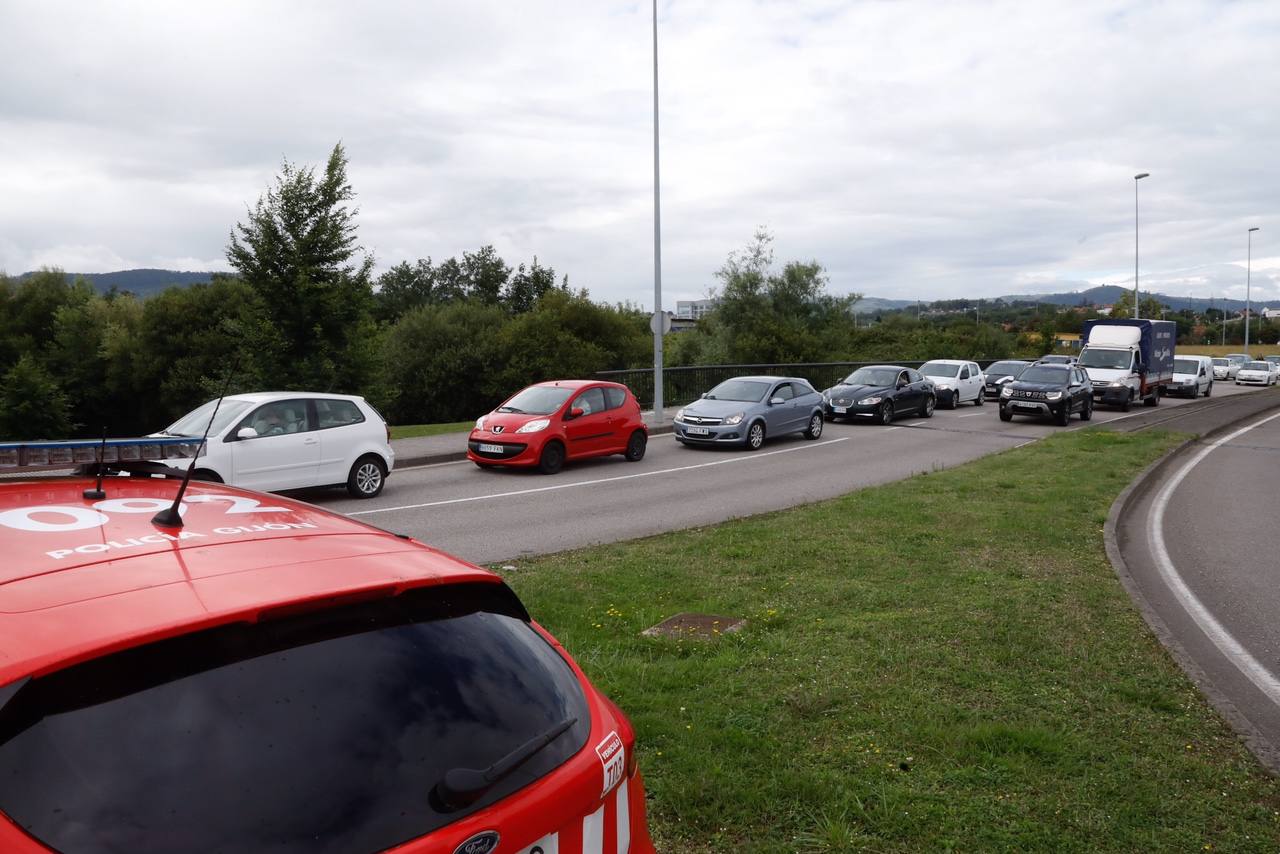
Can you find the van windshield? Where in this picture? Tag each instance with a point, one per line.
(1186, 366)
(1114, 360)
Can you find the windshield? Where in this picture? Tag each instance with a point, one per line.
(1057, 360)
(1186, 366)
(1116, 360)
(1043, 374)
(1257, 366)
(194, 422)
(1221, 363)
(1006, 369)
(873, 376)
(322, 732)
(537, 400)
(939, 369)
(747, 391)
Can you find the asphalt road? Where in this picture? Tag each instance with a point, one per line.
(1199, 543)
(492, 516)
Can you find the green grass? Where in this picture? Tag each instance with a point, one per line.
(947, 663)
(413, 431)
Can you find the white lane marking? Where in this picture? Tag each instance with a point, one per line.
(742, 459)
(974, 415)
(891, 429)
(1216, 632)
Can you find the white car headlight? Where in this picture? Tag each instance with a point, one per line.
(944, 386)
(679, 414)
(735, 418)
(480, 422)
(1006, 391)
(1117, 383)
(1053, 395)
(869, 401)
(536, 425)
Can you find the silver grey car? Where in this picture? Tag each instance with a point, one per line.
(744, 410)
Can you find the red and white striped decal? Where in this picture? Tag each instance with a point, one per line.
(608, 829)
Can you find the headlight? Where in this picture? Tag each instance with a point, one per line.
(679, 414)
(535, 425)
(735, 418)
(869, 401)
(826, 394)
(944, 386)
(1053, 395)
(1005, 391)
(1117, 383)
(480, 422)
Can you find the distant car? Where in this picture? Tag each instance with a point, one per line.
(881, 393)
(999, 373)
(1256, 373)
(1192, 376)
(1240, 358)
(272, 676)
(1056, 359)
(550, 423)
(291, 440)
(746, 410)
(1275, 360)
(1055, 391)
(956, 382)
(1225, 369)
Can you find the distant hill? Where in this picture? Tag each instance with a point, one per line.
(139, 282)
(870, 304)
(1111, 294)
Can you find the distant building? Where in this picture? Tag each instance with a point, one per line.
(1067, 340)
(1271, 314)
(695, 309)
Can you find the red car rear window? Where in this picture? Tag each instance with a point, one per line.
(322, 732)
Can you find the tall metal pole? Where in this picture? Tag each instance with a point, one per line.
(1248, 271)
(1136, 179)
(657, 240)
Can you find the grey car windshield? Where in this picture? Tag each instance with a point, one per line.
(747, 391)
(537, 400)
(873, 376)
(1038, 374)
(939, 369)
(1186, 366)
(195, 421)
(1105, 359)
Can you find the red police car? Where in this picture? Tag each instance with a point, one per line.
(271, 676)
(548, 423)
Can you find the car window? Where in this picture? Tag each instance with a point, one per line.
(783, 391)
(590, 401)
(195, 422)
(964, 372)
(340, 722)
(278, 418)
(802, 388)
(914, 376)
(337, 413)
(614, 397)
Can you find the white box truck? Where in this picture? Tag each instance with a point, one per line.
(1128, 360)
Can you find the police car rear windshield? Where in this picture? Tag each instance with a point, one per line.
(327, 731)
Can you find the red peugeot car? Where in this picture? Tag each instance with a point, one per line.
(274, 677)
(551, 422)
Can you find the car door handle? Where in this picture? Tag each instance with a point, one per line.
(310, 440)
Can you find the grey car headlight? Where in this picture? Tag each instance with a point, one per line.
(1053, 395)
(870, 401)
(735, 418)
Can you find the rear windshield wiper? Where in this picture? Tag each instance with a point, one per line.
(463, 786)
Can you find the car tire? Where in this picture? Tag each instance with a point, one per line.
(755, 436)
(1154, 400)
(980, 399)
(1128, 401)
(551, 460)
(1005, 415)
(1208, 390)
(815, 427)
(367, 477)
(1086, 413)
(885, 414)
(636, 446)
(955, 401)
(207, 475)
(1063, 418)
(926, 408)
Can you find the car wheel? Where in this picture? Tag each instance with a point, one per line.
(367, 477)
(930, 403)
(955, 401)
(755, 436)
(1128, 401)
(980, 399)
(1064, 414)
(207, 476)
(552, 458)
(1154, 400)
(815, 427)
(1005, 415)
(1208, 390)
(885, 413)
(1086, 412)
(635, 446)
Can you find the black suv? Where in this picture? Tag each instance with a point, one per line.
(1053, 390)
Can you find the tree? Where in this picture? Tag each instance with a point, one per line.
(526, 287)
(32, 406)
(405, 287)
(297, 250)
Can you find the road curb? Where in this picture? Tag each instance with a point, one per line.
(1262, 748)
(406, 461)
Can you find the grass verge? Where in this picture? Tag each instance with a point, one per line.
(945, 663)
(413, 431)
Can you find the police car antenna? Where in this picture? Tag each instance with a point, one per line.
(170, 517)
(97, 493)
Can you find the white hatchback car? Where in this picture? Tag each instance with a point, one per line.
(956, 381)
(1257, 373)
(291, 439)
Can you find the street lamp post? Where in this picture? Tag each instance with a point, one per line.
(1136, 179)
(1248, 271)
(657, 240)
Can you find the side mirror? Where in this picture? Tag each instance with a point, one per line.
(776, 401)
(246, 433)
(703, 395)
(576, 412)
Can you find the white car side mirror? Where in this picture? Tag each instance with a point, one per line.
(246, 433)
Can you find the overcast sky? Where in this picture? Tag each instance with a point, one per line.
(915, 149)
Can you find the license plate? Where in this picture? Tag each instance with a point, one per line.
(491, 449)
(697, 431)
(1025, 406)
(839, 410)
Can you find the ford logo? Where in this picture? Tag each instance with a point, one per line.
(482, 843)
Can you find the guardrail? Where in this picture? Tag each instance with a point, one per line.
(684, 384)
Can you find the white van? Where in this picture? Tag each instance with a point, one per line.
(1192, 376)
